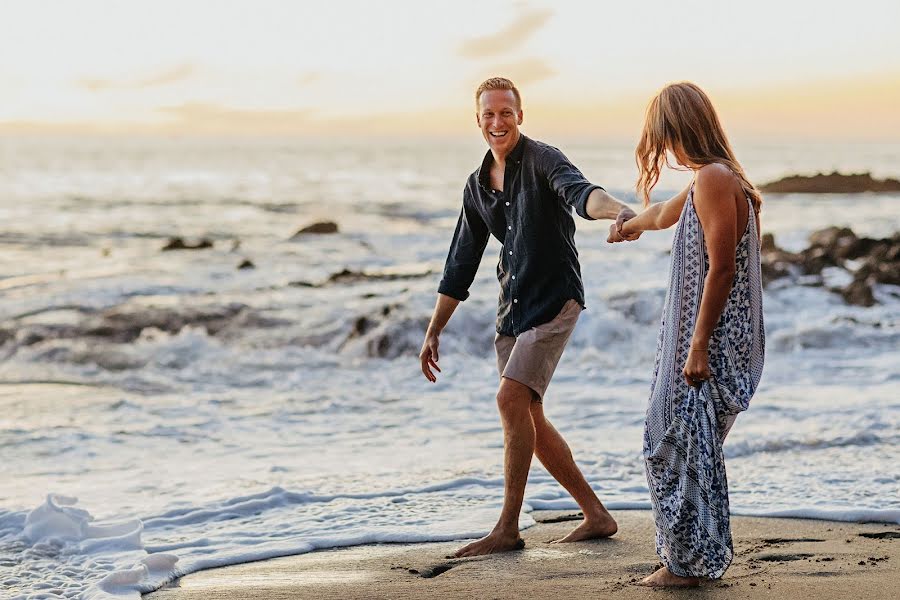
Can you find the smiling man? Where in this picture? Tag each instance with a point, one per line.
(523, 194)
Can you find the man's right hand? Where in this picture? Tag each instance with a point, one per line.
(429, 357)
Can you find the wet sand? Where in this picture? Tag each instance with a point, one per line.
(774, 558)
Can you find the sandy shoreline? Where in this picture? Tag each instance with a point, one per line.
(775, 558)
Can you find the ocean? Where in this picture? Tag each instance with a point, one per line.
(166, 412)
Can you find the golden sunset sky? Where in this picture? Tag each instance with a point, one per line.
(817, 69)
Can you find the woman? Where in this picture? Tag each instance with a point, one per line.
(710, 349)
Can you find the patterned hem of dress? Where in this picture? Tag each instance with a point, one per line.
(717, 574)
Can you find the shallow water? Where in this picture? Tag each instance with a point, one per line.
(205, 415)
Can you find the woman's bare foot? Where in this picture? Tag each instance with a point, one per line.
(600, 526)
(491, 544)
(663, 577)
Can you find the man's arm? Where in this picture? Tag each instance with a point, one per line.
(601, 205)
(443, 310)
(590, 201)
(466, 250)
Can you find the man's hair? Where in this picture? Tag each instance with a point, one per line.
(498, 83)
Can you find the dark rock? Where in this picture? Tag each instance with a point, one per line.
(834, 247)
(777, 263)
(361, 327)
(875, 271)
(858, 293)
(246, 264)
(833, 183)
(346, 276)
(349, 276)
(831, 236)
(125, 323)
(773, 271)
(178, 243)
(322, 227)
(816, 258)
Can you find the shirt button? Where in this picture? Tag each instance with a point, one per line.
(507, 203)
(515, 300)
(509, 227)
(510, 252)
(514, 276)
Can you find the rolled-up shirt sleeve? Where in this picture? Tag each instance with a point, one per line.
(465, 254)
(567, 181)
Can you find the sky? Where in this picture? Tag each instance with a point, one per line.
(817, 69)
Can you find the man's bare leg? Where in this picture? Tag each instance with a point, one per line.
(554, 453)
(513, 401)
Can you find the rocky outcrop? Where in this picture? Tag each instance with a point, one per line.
(348, 276)
(832, 183)
(320, 228)
(177, 243)
(866, 260)
(124, 323)
(382, 335)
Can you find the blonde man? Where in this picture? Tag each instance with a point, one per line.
(524, 193)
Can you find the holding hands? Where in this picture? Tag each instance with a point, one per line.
(616, 232)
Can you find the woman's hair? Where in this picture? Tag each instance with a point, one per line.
(681, 118)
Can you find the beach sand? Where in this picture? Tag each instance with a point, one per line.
(774, 558)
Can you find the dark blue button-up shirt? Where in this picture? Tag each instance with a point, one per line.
(538, 268)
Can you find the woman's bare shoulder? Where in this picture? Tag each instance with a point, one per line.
(714, 181)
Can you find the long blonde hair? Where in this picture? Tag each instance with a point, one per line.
(681, 116)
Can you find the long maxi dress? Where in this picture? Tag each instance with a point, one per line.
(685, 426)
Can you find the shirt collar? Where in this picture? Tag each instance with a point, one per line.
(514, 158)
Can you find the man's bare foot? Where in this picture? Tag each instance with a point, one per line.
(491, 544)
(663, 577)
(601, 526)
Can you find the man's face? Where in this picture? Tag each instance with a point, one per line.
(499, 118)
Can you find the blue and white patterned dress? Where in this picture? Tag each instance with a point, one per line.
(686, 426)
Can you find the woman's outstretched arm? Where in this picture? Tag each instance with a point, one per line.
(661, 215)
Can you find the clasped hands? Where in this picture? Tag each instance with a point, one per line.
(615, 230)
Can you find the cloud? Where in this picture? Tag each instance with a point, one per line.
(507, 39)
(172, 75)
(309, 78)
(198, 117)
(523, 72)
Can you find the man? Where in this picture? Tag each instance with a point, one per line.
(524, 194)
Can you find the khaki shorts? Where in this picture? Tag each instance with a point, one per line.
(532, 357)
